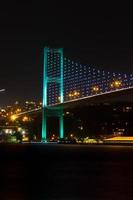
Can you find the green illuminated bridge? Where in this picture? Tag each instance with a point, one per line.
(67, 83)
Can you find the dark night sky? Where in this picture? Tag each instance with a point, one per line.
(25, 28)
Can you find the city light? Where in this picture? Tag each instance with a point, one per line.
(25, 138)
(71, 135)
(25, 119)
(13, 117)
(67, 113)
(18, 110)
(19, 129)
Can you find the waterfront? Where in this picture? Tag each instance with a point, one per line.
(56, 171)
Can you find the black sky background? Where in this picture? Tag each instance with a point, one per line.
(103, 39)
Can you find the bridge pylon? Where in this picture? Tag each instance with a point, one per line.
(53, 91)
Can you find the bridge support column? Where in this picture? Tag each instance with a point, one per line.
(52, 75)
(61, 124)
(44, 125)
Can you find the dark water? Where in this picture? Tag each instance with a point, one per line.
(66, 172)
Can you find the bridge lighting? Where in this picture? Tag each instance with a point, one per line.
(74, 94)
(95, 89)
(70, 95)
(116, 84)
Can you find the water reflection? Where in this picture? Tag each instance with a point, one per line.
(66, 172)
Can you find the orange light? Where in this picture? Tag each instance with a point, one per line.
(25, 119)
(25, 138)
(18, 110)
(13, 117)
(116, 84)
(74, 94)
(120, 138)
(95, 88)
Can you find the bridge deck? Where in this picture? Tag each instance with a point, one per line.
(98, 98)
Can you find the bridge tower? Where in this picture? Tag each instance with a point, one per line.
(52, 88)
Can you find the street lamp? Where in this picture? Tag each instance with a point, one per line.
(13, 117)
(116, 84)
(95, 89)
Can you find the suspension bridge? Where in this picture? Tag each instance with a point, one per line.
(67, 83)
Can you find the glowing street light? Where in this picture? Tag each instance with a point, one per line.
(74, 94)
(25, 119)
(13, 117)
(95, 89)
(116, 84)
(18, 110)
